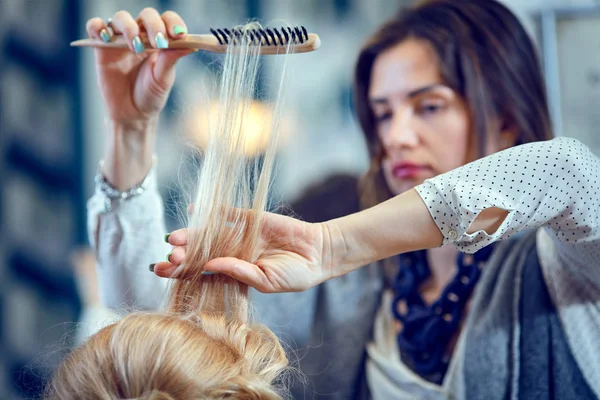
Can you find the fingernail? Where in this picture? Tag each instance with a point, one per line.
(138, 47)
(105, 36)
(169, 255)
(161, 42)
(208, 273)
(179, 30)
(167, 237)
(152, 267)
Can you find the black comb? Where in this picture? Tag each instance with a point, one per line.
(265, 37)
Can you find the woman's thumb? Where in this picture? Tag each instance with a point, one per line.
(164, 67)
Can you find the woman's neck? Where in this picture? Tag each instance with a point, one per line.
(442, 264)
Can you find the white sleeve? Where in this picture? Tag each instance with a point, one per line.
(553, 184)
(126, 238)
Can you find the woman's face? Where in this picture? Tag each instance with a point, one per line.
(422, 124)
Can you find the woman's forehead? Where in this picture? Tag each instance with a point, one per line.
(408, 66)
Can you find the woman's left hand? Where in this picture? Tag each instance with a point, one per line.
(293, 256)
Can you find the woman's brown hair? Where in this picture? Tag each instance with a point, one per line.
(484, 54)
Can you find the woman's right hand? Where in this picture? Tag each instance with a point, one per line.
(135, 83)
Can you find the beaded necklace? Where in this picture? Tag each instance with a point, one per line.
(428, 329)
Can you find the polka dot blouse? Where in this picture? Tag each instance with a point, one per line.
(552, 184)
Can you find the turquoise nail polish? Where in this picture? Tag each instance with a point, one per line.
(179, 30)
(208, 273)
(138, 46)
(167, 237)
(105, 36)
(161, 42)
(152, 267)
(169, 255)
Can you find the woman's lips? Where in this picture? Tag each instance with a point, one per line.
(409, 170)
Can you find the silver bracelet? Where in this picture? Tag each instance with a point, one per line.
(112, 194)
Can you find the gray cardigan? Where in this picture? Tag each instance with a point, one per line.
(326, 330)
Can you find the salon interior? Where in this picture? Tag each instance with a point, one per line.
(53, 127)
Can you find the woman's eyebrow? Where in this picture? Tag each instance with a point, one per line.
(410, 95)
(425, 89)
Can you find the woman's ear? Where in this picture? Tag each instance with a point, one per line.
(508, 136)
(503, 138)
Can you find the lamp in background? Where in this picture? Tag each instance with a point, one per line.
(254, 125)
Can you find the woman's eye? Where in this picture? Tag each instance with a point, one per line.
(383, 117)
(431, 108)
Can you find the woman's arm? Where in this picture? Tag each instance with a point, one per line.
(127, 235)
(401, 224)
(135, 85)
(128, 152)
(553, 184)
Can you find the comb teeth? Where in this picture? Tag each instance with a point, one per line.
(265, 37)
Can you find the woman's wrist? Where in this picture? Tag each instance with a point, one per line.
(341, 253)
(129, 152)
(333, 250)
(344, 251)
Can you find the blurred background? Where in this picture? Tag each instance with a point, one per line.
(52, 127)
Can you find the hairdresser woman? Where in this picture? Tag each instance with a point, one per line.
(495, 291)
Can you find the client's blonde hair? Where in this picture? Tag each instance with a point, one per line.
(204, 346)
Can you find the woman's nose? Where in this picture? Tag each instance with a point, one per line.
(402, 132)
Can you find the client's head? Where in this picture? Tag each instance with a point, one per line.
(204, 345)
(161, 356)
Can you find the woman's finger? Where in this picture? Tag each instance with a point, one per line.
(177, 238)
(177, 255)
(96, 29)
(155, 27)
(242, 271)
(124, 24)
(176, 28)
(163, 269)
